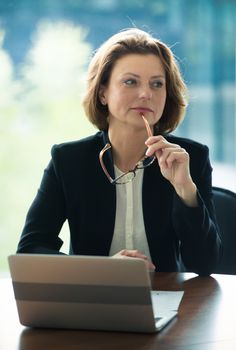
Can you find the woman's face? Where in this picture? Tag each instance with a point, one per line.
(137, 85)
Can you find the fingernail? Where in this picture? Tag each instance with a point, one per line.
(152, 269)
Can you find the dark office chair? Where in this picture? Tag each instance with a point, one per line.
(225, 205)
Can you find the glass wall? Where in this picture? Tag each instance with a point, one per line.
(45, 47)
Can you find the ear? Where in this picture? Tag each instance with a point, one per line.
(101, 95)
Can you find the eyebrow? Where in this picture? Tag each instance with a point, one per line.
(138, 76)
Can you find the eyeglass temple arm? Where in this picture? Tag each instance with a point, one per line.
(107, 146)
(149, 131)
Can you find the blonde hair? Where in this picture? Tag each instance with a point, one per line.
(134, 41)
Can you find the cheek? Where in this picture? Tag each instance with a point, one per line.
(113, 94)
(164, 100)
(161, 98)
(120, 98)
(160, 103)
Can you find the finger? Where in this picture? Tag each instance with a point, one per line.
(151, 266)
(161, 141)
(129, 252)
(171, 154)
(126, 253)
(134, 254)
(159, 147)
(154, 139)
(179, 156)
(137, 254)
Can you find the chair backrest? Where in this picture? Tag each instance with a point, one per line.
(225, 205)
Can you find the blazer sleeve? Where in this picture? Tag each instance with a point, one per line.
(45, 217)
(196, 228)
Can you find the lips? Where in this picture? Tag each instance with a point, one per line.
(142, 109)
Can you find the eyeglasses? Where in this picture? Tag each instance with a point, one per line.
(129, 175)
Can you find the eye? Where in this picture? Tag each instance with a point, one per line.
(157, 84)
(130, 82)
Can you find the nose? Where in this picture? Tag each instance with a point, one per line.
(145, 92)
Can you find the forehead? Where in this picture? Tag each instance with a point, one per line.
(139, 64)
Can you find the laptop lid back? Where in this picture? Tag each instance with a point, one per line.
(82, 292)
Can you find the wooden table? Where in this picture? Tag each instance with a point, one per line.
(206, 321)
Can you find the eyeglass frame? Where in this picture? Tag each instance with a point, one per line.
(137, 166)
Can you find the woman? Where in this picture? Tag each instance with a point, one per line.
(161, 210)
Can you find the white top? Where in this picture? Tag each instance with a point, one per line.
(129, 231)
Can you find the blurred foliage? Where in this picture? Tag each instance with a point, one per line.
(40, 104)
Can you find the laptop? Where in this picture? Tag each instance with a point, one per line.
(85, 292)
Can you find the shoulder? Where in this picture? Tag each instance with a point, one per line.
(79, 147)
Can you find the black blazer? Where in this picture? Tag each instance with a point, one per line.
(74, 187)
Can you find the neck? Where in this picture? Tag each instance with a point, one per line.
(128, 147)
